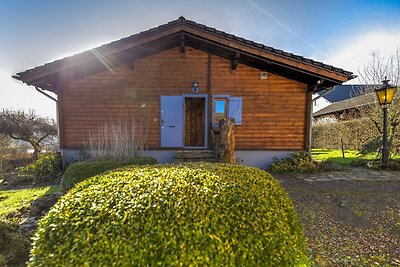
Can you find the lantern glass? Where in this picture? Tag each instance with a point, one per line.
(385, 95)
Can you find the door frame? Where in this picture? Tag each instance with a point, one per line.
(205, 96)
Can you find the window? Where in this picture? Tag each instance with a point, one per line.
(220, 109)
(227, 107)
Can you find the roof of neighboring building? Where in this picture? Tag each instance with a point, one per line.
(171, 33)
(346, 104)
(343, 92)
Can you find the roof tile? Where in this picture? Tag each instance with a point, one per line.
(182, 20)
(346, 104)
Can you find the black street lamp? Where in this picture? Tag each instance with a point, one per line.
(385, 95)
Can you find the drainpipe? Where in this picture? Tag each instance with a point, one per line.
(327, 92)
(44, 93)
(57, 113)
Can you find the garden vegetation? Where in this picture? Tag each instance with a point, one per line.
(48, 167)
(173, 215)
(353, 134)
(82, 170)
(301, 162)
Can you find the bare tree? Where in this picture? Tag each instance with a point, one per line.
(5, 151)
(28, 127)
(380, 67)
(372, 75)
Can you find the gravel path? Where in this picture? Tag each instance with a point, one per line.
(348, 222)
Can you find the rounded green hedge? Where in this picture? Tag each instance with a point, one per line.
(173, 215)
(82, 170)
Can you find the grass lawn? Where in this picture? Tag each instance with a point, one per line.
(350, 156)
(13, 200)
(14, 246)
(336, 156)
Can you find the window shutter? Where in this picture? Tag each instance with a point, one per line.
(235, 109)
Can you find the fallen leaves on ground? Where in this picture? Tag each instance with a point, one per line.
(349, 223)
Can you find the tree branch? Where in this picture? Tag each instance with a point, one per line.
(43, 137)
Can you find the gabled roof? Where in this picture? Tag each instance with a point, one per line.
(343, 92)
(347, 104)
(179, 33)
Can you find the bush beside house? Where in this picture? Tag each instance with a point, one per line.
(301, 162)
(295, 162)
(173, 215)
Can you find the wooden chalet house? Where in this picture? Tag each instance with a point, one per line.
(185, 76)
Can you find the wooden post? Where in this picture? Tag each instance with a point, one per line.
(341, 141)
(226, 146)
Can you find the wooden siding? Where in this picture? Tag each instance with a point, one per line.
(274, 110)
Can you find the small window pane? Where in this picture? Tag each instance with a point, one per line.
(220, 110)
(220, 106)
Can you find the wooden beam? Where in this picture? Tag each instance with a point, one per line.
(282, 59)
(209, 74)
(210, 143)
(308, 122)
(235, 61)
(182, 43)
(226, 52)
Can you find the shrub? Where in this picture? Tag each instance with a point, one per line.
(353, 133)
(119, 138)
(375, 145)
(4, 166)
(46, 167)
(173, 215)
(14, 247)
(80, 171)
(296, 162)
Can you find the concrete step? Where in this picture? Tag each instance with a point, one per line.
(194, 156)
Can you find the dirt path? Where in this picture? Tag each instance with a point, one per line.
(348, 222)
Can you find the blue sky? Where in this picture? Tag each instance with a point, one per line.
(342, 33)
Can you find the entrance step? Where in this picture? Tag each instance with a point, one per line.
(194, 156)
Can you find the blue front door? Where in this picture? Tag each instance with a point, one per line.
(171, 121)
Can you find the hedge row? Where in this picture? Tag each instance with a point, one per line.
(173, 215)
(354, 134)
(82, 170)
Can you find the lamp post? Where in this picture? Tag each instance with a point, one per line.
(385, 94)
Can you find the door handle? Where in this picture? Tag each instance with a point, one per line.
(162, 123)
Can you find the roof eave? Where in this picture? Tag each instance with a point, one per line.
(317, 69)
